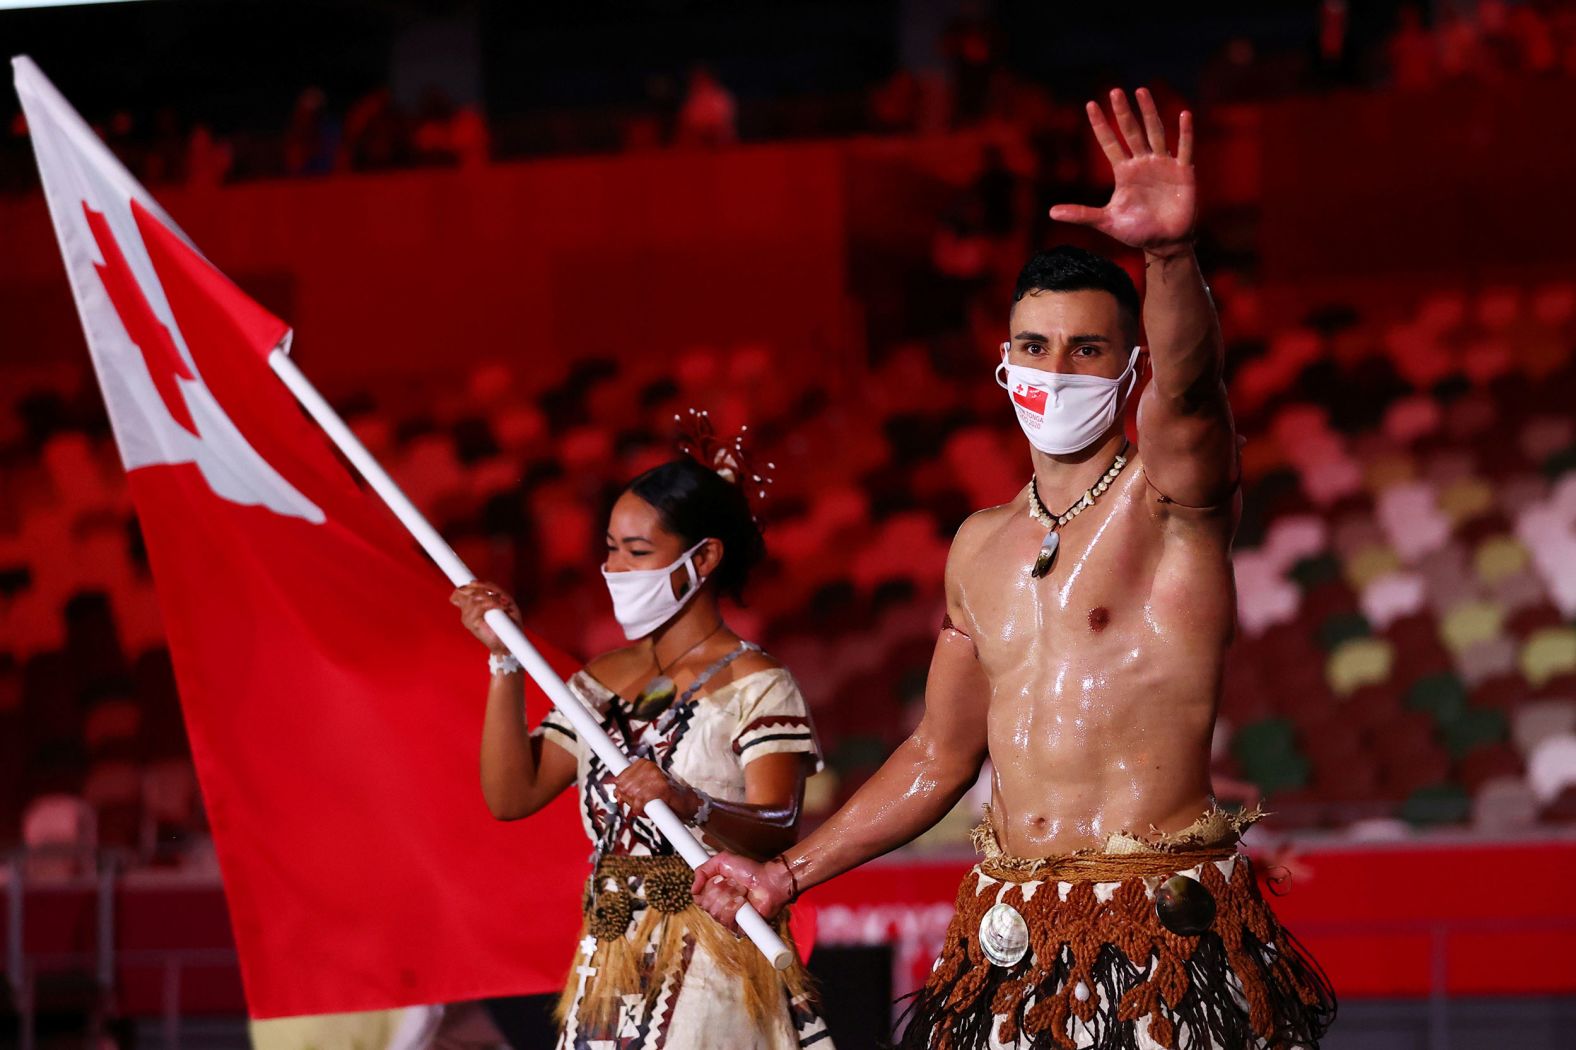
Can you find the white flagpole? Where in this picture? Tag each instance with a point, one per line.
(684, 840)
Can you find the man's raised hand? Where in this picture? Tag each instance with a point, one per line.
(1154, 204)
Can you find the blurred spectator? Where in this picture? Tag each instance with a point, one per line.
(431, 135)
(651, 125)
(312, 139)
(1501, 51)
(61, 830)
(165, 159)
(960, 249)
(1461, 53)
(469, 137)
(996, 190)
(1413, 63)
(119, 134)
(968, 46)
(208, 159)
(1563, 20)
(376, 136)
(895, 104)
(1238, 73)
(1333, 52)
(450, 134)
(1534, 39)
(709, 115)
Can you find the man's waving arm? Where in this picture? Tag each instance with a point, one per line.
(1184, 421)
(917, 786)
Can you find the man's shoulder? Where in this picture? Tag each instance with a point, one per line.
(980, 531)
(979, 526)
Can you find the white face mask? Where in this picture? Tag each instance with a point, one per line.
(1061, 412)
(643, 598)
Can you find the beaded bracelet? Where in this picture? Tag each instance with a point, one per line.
(503, 664)
(703, 811)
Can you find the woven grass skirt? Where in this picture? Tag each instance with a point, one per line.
(1112, 951)
(653, 969)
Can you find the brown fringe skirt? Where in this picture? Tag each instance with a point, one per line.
(645, 925)
(1102, 971)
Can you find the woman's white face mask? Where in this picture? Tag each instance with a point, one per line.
(643, 599)
(1064, 412)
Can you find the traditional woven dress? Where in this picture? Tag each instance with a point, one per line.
(1149, 944)
(652, 970)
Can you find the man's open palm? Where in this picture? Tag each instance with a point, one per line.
(1155, 203)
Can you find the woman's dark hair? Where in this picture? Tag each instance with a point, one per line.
(697, 503)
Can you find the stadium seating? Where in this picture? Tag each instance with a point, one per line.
(1406, 587)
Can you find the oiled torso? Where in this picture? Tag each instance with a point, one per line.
(1104, 675)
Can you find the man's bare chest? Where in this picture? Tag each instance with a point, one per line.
(1100, 585)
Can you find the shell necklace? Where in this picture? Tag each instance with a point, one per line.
(660, 691)
(1053, 540)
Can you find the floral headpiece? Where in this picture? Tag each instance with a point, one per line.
(698, 439)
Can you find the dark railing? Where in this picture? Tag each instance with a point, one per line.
(24, 968)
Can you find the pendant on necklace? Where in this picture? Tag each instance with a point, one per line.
(1047, 555)
(654, 698)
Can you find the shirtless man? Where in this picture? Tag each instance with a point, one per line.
(1090, 679)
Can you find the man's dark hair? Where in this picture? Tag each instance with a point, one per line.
(1069, 269)
(695, 503)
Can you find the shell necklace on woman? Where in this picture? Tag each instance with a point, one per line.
(658, 693)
